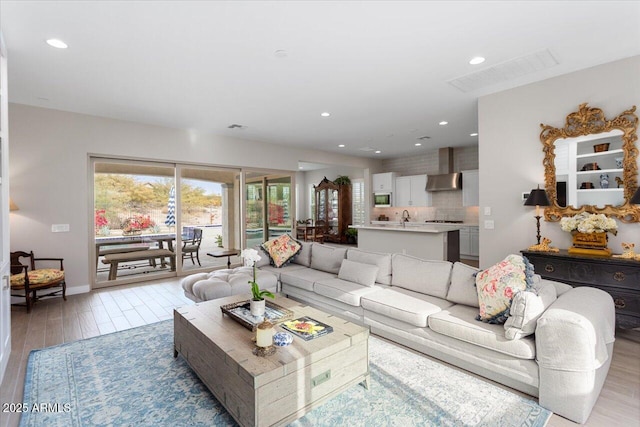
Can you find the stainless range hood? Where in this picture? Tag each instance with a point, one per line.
(446, 180)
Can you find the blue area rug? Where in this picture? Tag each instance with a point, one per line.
(130, 378)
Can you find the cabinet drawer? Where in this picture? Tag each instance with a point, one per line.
(627, 303)
(550, 268)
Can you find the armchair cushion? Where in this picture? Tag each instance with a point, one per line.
(37, 277)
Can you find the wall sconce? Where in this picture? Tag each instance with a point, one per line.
(12, 206)
(537, 198)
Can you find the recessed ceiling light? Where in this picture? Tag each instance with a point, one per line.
(300, 167)
(325, 114)
(57, 43)
(473, 134)
(340, 145)
(280, 53)
(378, 151)
(443, 123)
(417, 144)
(477, 60)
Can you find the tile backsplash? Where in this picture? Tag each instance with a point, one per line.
(446, 205)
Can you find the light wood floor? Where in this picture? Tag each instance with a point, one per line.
(55, 321)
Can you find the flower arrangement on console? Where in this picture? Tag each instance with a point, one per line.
(589, 223)
(250, 257)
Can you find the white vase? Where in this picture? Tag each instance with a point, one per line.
(257, 307)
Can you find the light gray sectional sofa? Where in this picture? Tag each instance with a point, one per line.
(431, 306)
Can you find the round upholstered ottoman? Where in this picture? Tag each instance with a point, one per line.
(223, 283)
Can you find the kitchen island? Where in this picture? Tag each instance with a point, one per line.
(425, 241)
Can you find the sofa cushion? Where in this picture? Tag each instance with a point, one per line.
(304, 278)
(383, 261)
(459, 322)
(463, 285)
(342, 290)
(285, 268)
(281, 249)
(304, 256)
(526, 309)
(362, 274)
(264, 256)
(403, 305)
(497, 285)
(427, 277)
(327, 258)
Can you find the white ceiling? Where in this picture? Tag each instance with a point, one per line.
(381, 68)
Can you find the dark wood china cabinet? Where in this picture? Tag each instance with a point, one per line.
(333, 205)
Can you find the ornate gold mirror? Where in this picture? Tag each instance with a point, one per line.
(591, 165)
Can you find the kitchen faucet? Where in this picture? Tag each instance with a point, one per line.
(407, 217)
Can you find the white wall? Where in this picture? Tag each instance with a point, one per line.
(49, 172)
(510, 151)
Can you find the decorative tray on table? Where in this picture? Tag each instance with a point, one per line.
(241, 313)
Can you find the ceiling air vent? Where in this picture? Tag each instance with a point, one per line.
(422, 138)
(505, 71)
(236, 126)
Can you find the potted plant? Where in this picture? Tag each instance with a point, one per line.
(342, 180)
(219, 240)
(352, 236)
(257, 303)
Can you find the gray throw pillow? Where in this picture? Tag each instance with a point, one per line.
(357, 272)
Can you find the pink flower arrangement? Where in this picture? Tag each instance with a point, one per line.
(137, 222)
(100, 219)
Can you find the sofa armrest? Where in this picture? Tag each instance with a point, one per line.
(574, 342)
(573, 333)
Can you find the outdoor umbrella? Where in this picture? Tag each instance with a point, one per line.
(171, 208)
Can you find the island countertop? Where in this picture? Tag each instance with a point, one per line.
(426, 241)
(415, 227)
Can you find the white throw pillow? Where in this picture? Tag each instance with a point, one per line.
(463, 285)
(362, 274)
(526, 309)
(382, 260)
(327, 258)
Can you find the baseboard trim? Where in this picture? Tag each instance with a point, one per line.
(74, 290)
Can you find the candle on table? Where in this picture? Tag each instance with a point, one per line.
(264, 334)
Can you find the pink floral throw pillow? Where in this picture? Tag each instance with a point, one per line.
(282, 249)
(498, 284)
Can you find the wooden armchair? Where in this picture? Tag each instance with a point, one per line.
(27, 280)
(319, 230)
(192, 246)
(301, 229)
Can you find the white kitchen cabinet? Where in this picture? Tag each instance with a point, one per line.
(410, 191)
(469, 242)
(470, 188)
(384, 182)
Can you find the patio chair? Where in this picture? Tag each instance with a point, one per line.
(301, 229)
(27, 280)
(192, 246)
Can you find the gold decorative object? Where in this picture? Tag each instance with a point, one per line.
(587, 121)
(590, 244)
(628, 252)
(543, 246)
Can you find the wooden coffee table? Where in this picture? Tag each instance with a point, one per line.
(277, 389)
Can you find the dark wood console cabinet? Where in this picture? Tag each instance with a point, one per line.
(618, 277)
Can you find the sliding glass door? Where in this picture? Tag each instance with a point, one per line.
(268, 201)
(208, 225)
(154, 220)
